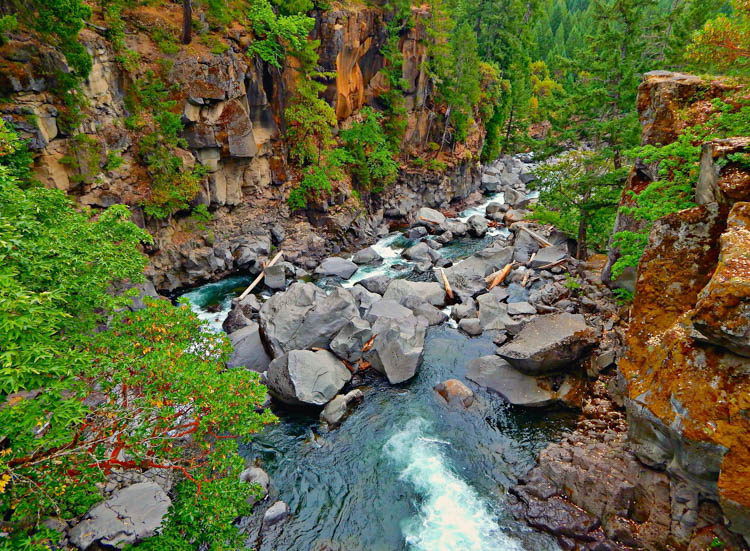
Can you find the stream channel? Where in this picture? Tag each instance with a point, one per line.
(403, 472)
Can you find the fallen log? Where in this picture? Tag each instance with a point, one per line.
(446, 284)
(553, 264)
(488, 279)
(501, 275)
(260, 276)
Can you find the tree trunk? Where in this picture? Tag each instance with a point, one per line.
(508, 129)
(187, 21)
(582, 230)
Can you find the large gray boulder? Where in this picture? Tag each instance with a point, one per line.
(524, 246)
(367, 256)
(376, 284)
(398, 346)
(497, 375)
(421, 307)
(248, 349)
(348, 343)
(467, 276)
(387, 309)
(241, 313)
(548, 343)
(275, 277)
(129, 516)
(336, 266)
(421, 252)
(455, 227)
(493, 314)
(304, 377)
(430, 217)
(364, 298)
(431, 291)
(304, 317)
(477, 225)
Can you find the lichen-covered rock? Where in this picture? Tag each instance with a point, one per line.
(722, 313)
(688, 399)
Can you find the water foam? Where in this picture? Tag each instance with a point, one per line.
(451, 515)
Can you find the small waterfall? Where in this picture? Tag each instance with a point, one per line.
(451, 515)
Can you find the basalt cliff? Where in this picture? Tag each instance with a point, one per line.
(232, 107)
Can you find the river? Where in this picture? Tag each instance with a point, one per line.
(403, 472)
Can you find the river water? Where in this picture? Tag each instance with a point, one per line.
(404, 471)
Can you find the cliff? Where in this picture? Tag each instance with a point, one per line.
(232, 109)
(660, 459)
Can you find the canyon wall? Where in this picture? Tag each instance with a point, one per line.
(232, 107)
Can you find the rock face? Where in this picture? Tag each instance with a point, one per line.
(549, 343)
(662, 98)
(303, 377)
(129, 516)
(305, 317)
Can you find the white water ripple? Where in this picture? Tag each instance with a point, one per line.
(450, 515)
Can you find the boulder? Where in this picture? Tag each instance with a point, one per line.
(336, 266)
(493, 207)
(248, 349)
(348, 343)
(420, 307)
(548, 343)
(490, 182)
(497, 375)
(364, 298)
(304, 377)
(524, 246)
(455, 393)
(275, 514)
(340, 407)
(429, 217)
(455, 227)
(275, 277)
(387, 309)
(515, 199)
(520, 308)
(516, 293)
(367, 256)
(513, 216)
(467, 276)
(420, 252)
(432, 292)
(130, 515)
(259, 477)
(415, 234)
(376, 284)
(470, 326)
(477, 225)
(493, 314)
(549, 255)
(398, 347)
(444, 238)
(242, 312)
(304, 317)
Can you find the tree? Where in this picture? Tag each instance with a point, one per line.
(724, 42)
(187, 21)
(579, 194)
(89, 385)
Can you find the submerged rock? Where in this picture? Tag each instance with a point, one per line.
(548, 343)
(455, 393)
(304, 377)
(340, 407)
(276, 513)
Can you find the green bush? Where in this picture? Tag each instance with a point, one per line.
(371, 157)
